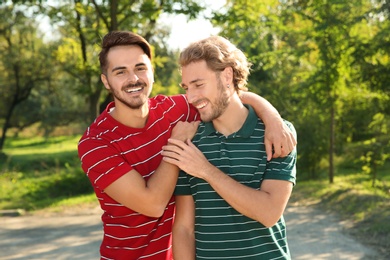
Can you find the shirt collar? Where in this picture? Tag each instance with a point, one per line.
(245, 131)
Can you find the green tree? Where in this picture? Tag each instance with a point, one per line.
(23, 62)
(372, 63)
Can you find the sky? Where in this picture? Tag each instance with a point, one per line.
(184, 32)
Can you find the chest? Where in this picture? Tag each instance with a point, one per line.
(142, 149)
(234, 156)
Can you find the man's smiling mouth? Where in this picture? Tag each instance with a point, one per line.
(201, 104)
(133, 90)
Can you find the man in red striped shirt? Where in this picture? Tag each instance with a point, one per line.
(121, 150)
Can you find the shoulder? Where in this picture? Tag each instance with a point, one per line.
(102, 131)
(168, 100)
(174, 107)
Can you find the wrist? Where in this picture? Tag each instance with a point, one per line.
(271, 117)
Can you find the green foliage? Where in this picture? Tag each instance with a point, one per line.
(377, 149)
(167, 76)
(39, 172)
(25, 66)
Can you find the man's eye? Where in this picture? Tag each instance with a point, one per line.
(141, 68)
(119, 72)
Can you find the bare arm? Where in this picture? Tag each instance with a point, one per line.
(279, 140)
(183, 229)
(272, 196)
(148, 198)
(151, 197)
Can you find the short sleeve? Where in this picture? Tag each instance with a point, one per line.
(283, 168)
(183, 185)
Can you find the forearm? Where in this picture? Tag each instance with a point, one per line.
(149, 197)
(162, 184)
(279, 139)
(265, 206)
(183, 244)
(264, 109)
(183, 229)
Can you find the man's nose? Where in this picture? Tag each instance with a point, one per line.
(191, 97)
(133, 77)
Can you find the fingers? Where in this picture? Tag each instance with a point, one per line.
(171, 161)
(169, 153)
(268, 149)
(293, 139)
(285, 147)
(277, 151)
(177, 143)
(174, 149)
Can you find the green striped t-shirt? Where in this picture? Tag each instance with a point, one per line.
(221, 232)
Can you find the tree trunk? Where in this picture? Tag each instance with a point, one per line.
(331, 143)
(94, 106)
(7, 124)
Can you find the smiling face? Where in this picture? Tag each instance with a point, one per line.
(129, 76)
(205, 90)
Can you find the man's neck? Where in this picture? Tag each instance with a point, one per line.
(232, 118)
(135, 118)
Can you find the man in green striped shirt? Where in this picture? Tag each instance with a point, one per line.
(229, 199)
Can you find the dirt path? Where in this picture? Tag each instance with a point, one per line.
(312, 235)
(317, 236)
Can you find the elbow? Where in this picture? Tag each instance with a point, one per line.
(155, 211)
(155, 206)
(269, 224)
(154, 215)
(269, 221)
(151, 208)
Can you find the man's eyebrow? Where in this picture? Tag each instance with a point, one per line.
(124, 67)
(118, 68)
(191, 82)
(140, 64)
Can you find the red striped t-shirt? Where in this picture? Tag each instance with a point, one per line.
(107, 151)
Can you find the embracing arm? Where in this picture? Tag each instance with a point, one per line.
(279, 140)
(150, 197)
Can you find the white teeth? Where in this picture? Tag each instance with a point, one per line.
(201, 105)
(133, 90)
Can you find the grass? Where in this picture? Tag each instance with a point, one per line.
(39, 174)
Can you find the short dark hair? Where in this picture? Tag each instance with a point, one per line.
(121, 38)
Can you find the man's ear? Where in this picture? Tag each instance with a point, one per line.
(228, 75)
(105, 81)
